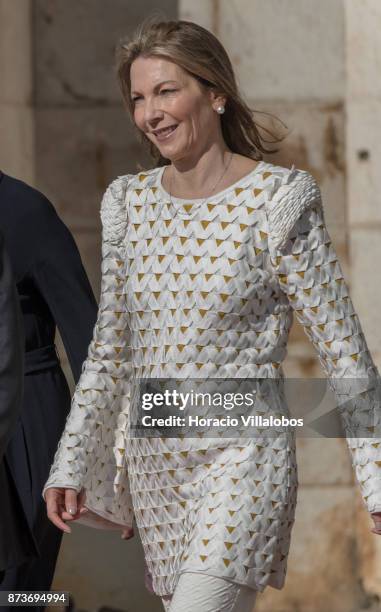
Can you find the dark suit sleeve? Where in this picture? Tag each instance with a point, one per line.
(11, 351)
(62, 280)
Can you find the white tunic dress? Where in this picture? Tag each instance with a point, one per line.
(208, 290)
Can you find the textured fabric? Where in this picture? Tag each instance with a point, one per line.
(99, 414)
(203, 593)
(208, 292)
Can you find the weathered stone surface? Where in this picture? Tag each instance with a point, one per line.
(322, 566)
(364, 214)
(363, 45)
(369, 547)
(17, 142)
(301, 360)
(203, 12)
(286, 50)
(314, 136)
(16, 76)
(16, 73)
(99, 569)
(323, 461)
(75, 44)
(79, 152)
(364, 153)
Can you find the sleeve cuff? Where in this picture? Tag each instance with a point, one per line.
(60, 485)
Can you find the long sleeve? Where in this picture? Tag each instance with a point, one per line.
(62, 280)
(91, 451)
(11, 351)
(309, 274)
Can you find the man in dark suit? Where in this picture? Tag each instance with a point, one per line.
(16, 541)
(54, 293)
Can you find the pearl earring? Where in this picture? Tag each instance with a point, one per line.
(220, 109)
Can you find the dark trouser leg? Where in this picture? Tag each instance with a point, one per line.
(36, 575)
(30, 454)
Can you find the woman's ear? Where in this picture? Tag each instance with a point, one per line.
(217, 98)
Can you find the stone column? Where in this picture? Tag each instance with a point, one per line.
(363, 159)
(16, 111)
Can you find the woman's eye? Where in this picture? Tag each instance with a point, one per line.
(162, 91)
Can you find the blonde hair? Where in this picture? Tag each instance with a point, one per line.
(200, 54)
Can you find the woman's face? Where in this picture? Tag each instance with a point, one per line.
(172, 109)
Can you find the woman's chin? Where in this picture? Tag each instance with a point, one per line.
(174, 154)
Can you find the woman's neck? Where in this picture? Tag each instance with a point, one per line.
(186, 178)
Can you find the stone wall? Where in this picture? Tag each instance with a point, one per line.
(363, 158)
(16, 78)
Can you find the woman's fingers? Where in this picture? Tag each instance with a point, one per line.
(376, 516)
(73, 517)
(65, 504)
(59, 501)
(81, 499)
(74, 504)
(71, 501)
(54, 499)
(127, 533)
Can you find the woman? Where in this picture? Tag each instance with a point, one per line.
(53, 291)
(204, 259)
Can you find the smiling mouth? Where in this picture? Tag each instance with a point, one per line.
(165, 132)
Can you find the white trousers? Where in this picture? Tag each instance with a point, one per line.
(203, 593)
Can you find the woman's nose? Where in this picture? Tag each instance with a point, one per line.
(152, 111)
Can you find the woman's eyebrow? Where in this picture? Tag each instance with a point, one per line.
(158, 85)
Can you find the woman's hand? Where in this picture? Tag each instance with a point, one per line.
(127, 533)
(376, 516)
(64, 505)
